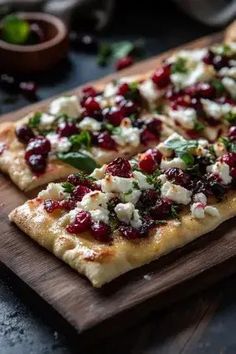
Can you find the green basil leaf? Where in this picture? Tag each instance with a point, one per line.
(217, 84)
(179, 66)
(198, 126)
(68, 187)
(15, 30)
(78, 160)
(181, 146)
(188, 159)
(81, 140)
(34, 121)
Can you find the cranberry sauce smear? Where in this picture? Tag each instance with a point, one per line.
(119, 167)
(24, 133)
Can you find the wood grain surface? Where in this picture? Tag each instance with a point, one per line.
(195, 266)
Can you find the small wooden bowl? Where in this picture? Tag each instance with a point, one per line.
(26, 59)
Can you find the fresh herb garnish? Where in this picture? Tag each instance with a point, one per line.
(219, 87)
(112, 129)
(78, 160)
(68, 187)
(198, 126)
(174, 211)
(187, 158)
(152, 179)
(229, 145)
(15, 30)
(81, 140)
(34, 121)
(179, 66)
(230, 117)
(136, 185)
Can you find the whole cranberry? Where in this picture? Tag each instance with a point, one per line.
(79, 192)
(146, 136)
(91, 105)
(177, 176)
(68, 204)
(182, 101)
(119, 167)
(149, 160)
(82, 223)
(37, 163)
(129, 232)
(89, 91)
(155, 126)
(67, 129)
(229, 158)
(123, 89)
(113, 115)
(148, 197)
(38, 146)
(161, 76)
(51, 205)
(124, 62)
(232, 132)
(208, 58)
(105, 141)
(24, 133)
(101, 231)
(201, 90)
(220, 61)
(233, 172)
(161, 210)
(128, 107)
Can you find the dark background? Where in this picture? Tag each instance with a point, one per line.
(204, 323)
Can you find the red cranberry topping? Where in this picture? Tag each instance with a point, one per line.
(119, 167)
(229, 158)
(232, 133)
(124, 62)
(79, 192)
(233, 172)
(148, 197)
(89, 91)
(161, 210)
(178, 177)
(37, 163)
(67, 129)
(82, 180)
(68, 204)
(208, 59)
(105, 141)
(123, 89)
(38, 145)
(192, 133)
(150, 160)
(128, 107)
(91, 105)
(155, 126)
(51, 205)
(101, 231)
(129, 232)
(161, 76)
(24, 133)
(201, 89)
(220, 61)
(146, 136)
(114, 115)
(182, 101)
(82, 223)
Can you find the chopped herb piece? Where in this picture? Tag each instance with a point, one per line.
(217, 84)
(136, 185)
(68, 187)
(181, 146)
(231, 117)
(152, 179)
(174, 211)
(35, 120)
(179, 66)
(187, 158)
(81, 140)
(112, 129)
(198, 126)
(78, 160)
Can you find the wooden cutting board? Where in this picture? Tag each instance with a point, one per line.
(183, 271)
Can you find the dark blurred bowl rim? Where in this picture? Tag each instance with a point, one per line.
(55, 21)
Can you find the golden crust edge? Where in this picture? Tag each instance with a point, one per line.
(103, 263)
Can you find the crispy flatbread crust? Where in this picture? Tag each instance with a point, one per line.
(101, 263)
(230, 33)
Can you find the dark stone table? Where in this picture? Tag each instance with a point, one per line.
(204, 323)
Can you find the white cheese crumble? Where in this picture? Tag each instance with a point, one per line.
(110, 90)
(200, 197)
(230, 85)
(128, 214)
(53, 191)
(214, 109)
(213, 211)
(142, 180)
(186, 117)
(98, 173)
(90, 124)
(46, 119)
(132, 197)
(100, 214)
(199, 210)
(127, 134)
(176, 193)
(116, 184)
(230, 72)
(172, 163)
(68, 105)
(149, 91)
(222, 170)
(94, 200)
(58, 144)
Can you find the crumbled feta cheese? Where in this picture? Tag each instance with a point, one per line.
(116, 184)
(201, 198)
(172, 163)
(90, 124)
(214, 109)
(197, 210)
(213, 211)
(142, 180)
(219, 149)
(58, 144)
(127, 134)
(132, 197)
(127, 213)
(65, 105)
(162, 178)
(94, 200)
(99, 173)
(222, 170)
(176, 193)
(149, 91)
(110, 90)
(100, 214)
(53, 191)
(230, 85)
(186, 117)
(230, 72)
(189, 54)
(167, 152)
(46, 119)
